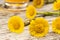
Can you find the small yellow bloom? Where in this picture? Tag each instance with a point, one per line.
(38, 3)
(58, 0)
(16, 24)
(56, 25)
(56, 6)
(30, 12)
(39, 27)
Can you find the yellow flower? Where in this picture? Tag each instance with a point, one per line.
(39, 27)
(58, 0)
(16, 24)
(56, 25)
(38, 3)
(30, 12)
(56, 6)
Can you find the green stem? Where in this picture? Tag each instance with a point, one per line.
(59, 13)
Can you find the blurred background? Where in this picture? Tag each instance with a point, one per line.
(2, 1)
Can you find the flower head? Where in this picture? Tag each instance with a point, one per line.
(16, 24)
(56, 25)
(39, 27)
(58, 0)
(38, 3)
(30, 12)
(56, 6)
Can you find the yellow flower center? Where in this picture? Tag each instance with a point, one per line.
(39, 28)
(31, 12)
(16, 25)
(38, 2)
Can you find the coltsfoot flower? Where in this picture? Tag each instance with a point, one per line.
(56, 25)
(56, 6)
(58, 0)
(30, 12)
(39, 27)
(38, 3)
(16, 24)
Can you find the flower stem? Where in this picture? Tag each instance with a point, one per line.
(59, 13)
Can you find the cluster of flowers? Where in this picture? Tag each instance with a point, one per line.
(38, 27)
